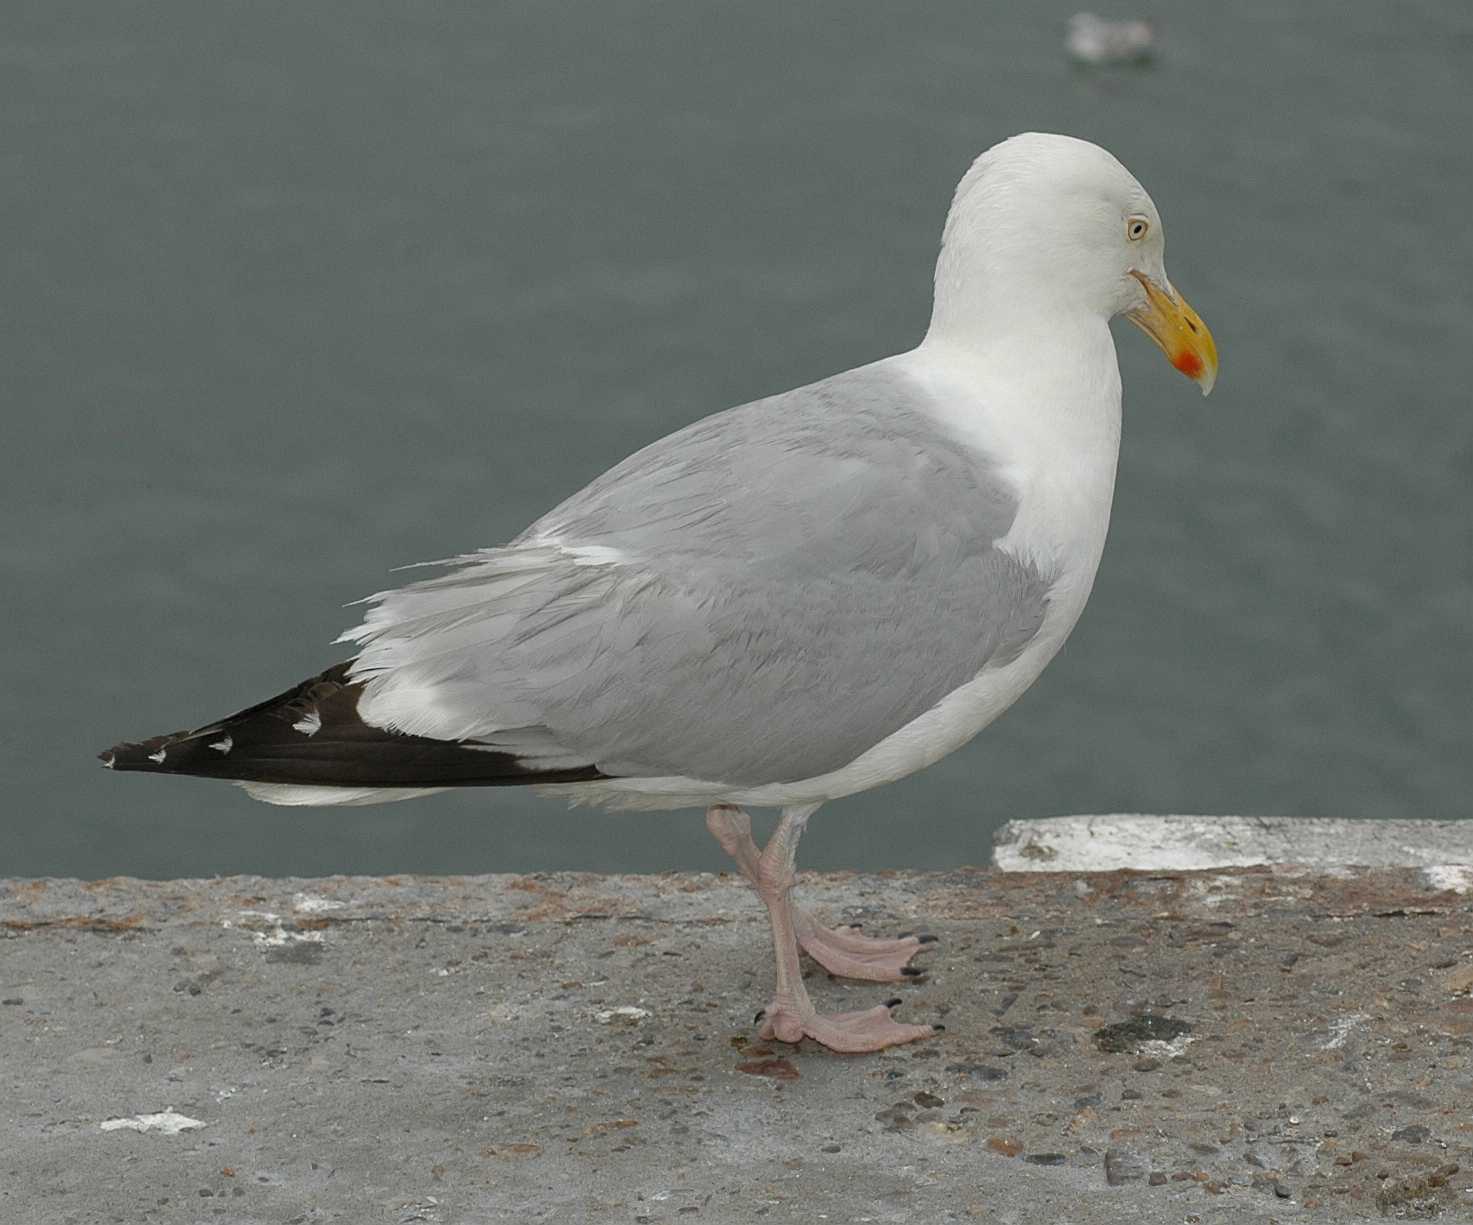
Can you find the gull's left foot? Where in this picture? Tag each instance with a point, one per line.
(847, 953)
(850, 1033)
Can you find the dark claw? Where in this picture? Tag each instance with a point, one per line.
(903, 935)
(940, 1029)
(911, 971)
(761, 1012)
(927, 939)
(895, 1003)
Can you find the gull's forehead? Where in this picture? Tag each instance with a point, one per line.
(1087, 169)
(1104, 178)
(1037, 168)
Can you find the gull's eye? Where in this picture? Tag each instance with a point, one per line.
(1136, 227)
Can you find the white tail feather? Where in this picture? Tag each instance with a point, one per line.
(323, 797)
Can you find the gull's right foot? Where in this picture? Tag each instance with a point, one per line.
(852, 1033)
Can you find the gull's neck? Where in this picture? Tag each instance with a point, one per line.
(1042, 404)
(1041, 399)
(1036, 366)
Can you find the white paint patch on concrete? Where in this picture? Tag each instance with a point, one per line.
(277, 935)
(308, 903)
(1341, 1028)
(168, 1122)
(1457, 877)
(1166, 1050)
(1189, 843)
(625, 1014)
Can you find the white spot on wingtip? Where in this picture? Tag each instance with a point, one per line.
(309, 724)
(159, 756)
(223, 746)
(109, 761)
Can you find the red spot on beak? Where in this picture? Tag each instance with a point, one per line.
(1188, 363)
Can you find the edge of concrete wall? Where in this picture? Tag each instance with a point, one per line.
(1109, 842)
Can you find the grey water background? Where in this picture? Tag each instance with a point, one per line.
(295, 293)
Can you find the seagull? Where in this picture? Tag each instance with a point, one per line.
(1094, 40)
(785, 603)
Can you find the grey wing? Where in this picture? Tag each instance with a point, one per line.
(758, 598)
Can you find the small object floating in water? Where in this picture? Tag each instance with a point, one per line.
(1095, 40)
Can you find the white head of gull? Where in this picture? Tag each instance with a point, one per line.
(784, 603)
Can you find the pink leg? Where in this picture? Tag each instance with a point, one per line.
(791, 1015)
(840, 950)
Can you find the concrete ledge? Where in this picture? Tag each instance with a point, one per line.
(1149, 843)
(1242, 1046)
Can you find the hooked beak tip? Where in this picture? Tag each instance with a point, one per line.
(1168, 319)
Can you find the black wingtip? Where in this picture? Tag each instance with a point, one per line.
(313, 735)
(147, 754)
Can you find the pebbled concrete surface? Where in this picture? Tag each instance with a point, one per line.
(1248, 1046)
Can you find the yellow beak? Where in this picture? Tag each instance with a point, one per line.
(1176, 328)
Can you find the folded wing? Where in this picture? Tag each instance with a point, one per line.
(758, 598)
